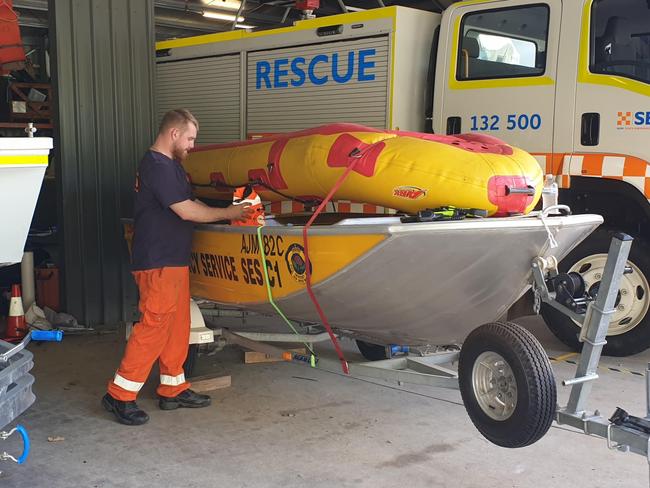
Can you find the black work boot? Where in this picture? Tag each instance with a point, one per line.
(126, 413)
(187, 399)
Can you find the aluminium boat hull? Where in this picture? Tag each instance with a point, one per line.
(380, 279)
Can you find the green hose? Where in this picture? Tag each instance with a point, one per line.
(270, 293)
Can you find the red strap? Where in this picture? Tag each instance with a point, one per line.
(339, 352)
(355, 159)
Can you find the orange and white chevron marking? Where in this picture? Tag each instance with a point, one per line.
(630, 169)
(340, 206)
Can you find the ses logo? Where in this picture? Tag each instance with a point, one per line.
(320, 69)
(633, 121)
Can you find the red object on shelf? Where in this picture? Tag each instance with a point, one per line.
(47, 288)
(12, 53)
(307, 4)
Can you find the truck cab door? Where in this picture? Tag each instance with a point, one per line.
(612, 116)
(606, 169)
(498, 76)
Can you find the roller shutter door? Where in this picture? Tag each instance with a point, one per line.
(209, 88)
(295, 88)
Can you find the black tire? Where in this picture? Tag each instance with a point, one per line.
(190, 361)
(372, 352)
(534, 410)
(633, 341)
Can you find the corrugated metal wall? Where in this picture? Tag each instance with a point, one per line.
(103, 77)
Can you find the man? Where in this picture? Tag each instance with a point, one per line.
(164, 214)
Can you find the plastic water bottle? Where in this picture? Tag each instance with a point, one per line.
(550, 192)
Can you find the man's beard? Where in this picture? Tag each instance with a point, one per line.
(179, 153)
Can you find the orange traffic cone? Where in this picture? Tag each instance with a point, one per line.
(246, 194)
(16, 327)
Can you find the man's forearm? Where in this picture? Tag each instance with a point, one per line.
(196, 211)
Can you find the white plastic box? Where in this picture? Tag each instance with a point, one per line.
(23, 161)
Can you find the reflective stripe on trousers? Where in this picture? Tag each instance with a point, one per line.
(172, 380)
(127, 384)
(163, 333)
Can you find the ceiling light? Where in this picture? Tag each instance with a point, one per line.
(244, 26)
(218, 16)
(224, 4)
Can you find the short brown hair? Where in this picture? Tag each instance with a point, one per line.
(177, 118)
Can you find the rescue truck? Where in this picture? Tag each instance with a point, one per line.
(567, 80)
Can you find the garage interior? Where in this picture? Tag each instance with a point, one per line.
(89, 82)
(281, 424)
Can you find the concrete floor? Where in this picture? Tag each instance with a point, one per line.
(290, 426)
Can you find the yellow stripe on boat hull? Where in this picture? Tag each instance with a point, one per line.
(227, 267)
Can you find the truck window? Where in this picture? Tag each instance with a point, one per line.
(503, 43)
(620, 38)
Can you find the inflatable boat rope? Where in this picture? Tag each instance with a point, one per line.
(254, 183)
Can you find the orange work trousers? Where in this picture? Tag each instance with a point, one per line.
(163, 333)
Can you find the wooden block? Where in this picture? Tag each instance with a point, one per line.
(251, 357)
(209, 383)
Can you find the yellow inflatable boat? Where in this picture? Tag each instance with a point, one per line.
(406, 171)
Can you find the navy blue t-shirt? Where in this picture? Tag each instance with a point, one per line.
(161, 238)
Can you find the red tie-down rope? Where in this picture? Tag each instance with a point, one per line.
(356, 154)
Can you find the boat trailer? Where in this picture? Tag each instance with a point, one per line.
(565, 292)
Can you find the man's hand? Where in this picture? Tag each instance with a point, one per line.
(240, 212)
(193, 211)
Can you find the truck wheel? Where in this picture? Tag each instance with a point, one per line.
(629, 329)
(507, 384)
(372, 352)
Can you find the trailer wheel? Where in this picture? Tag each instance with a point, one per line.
(372, 352)
(629, 329)
(507, 384)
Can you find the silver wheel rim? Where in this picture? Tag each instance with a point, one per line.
(634, 298)
(494, 385)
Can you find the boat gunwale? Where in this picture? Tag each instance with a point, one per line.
(356, 227)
